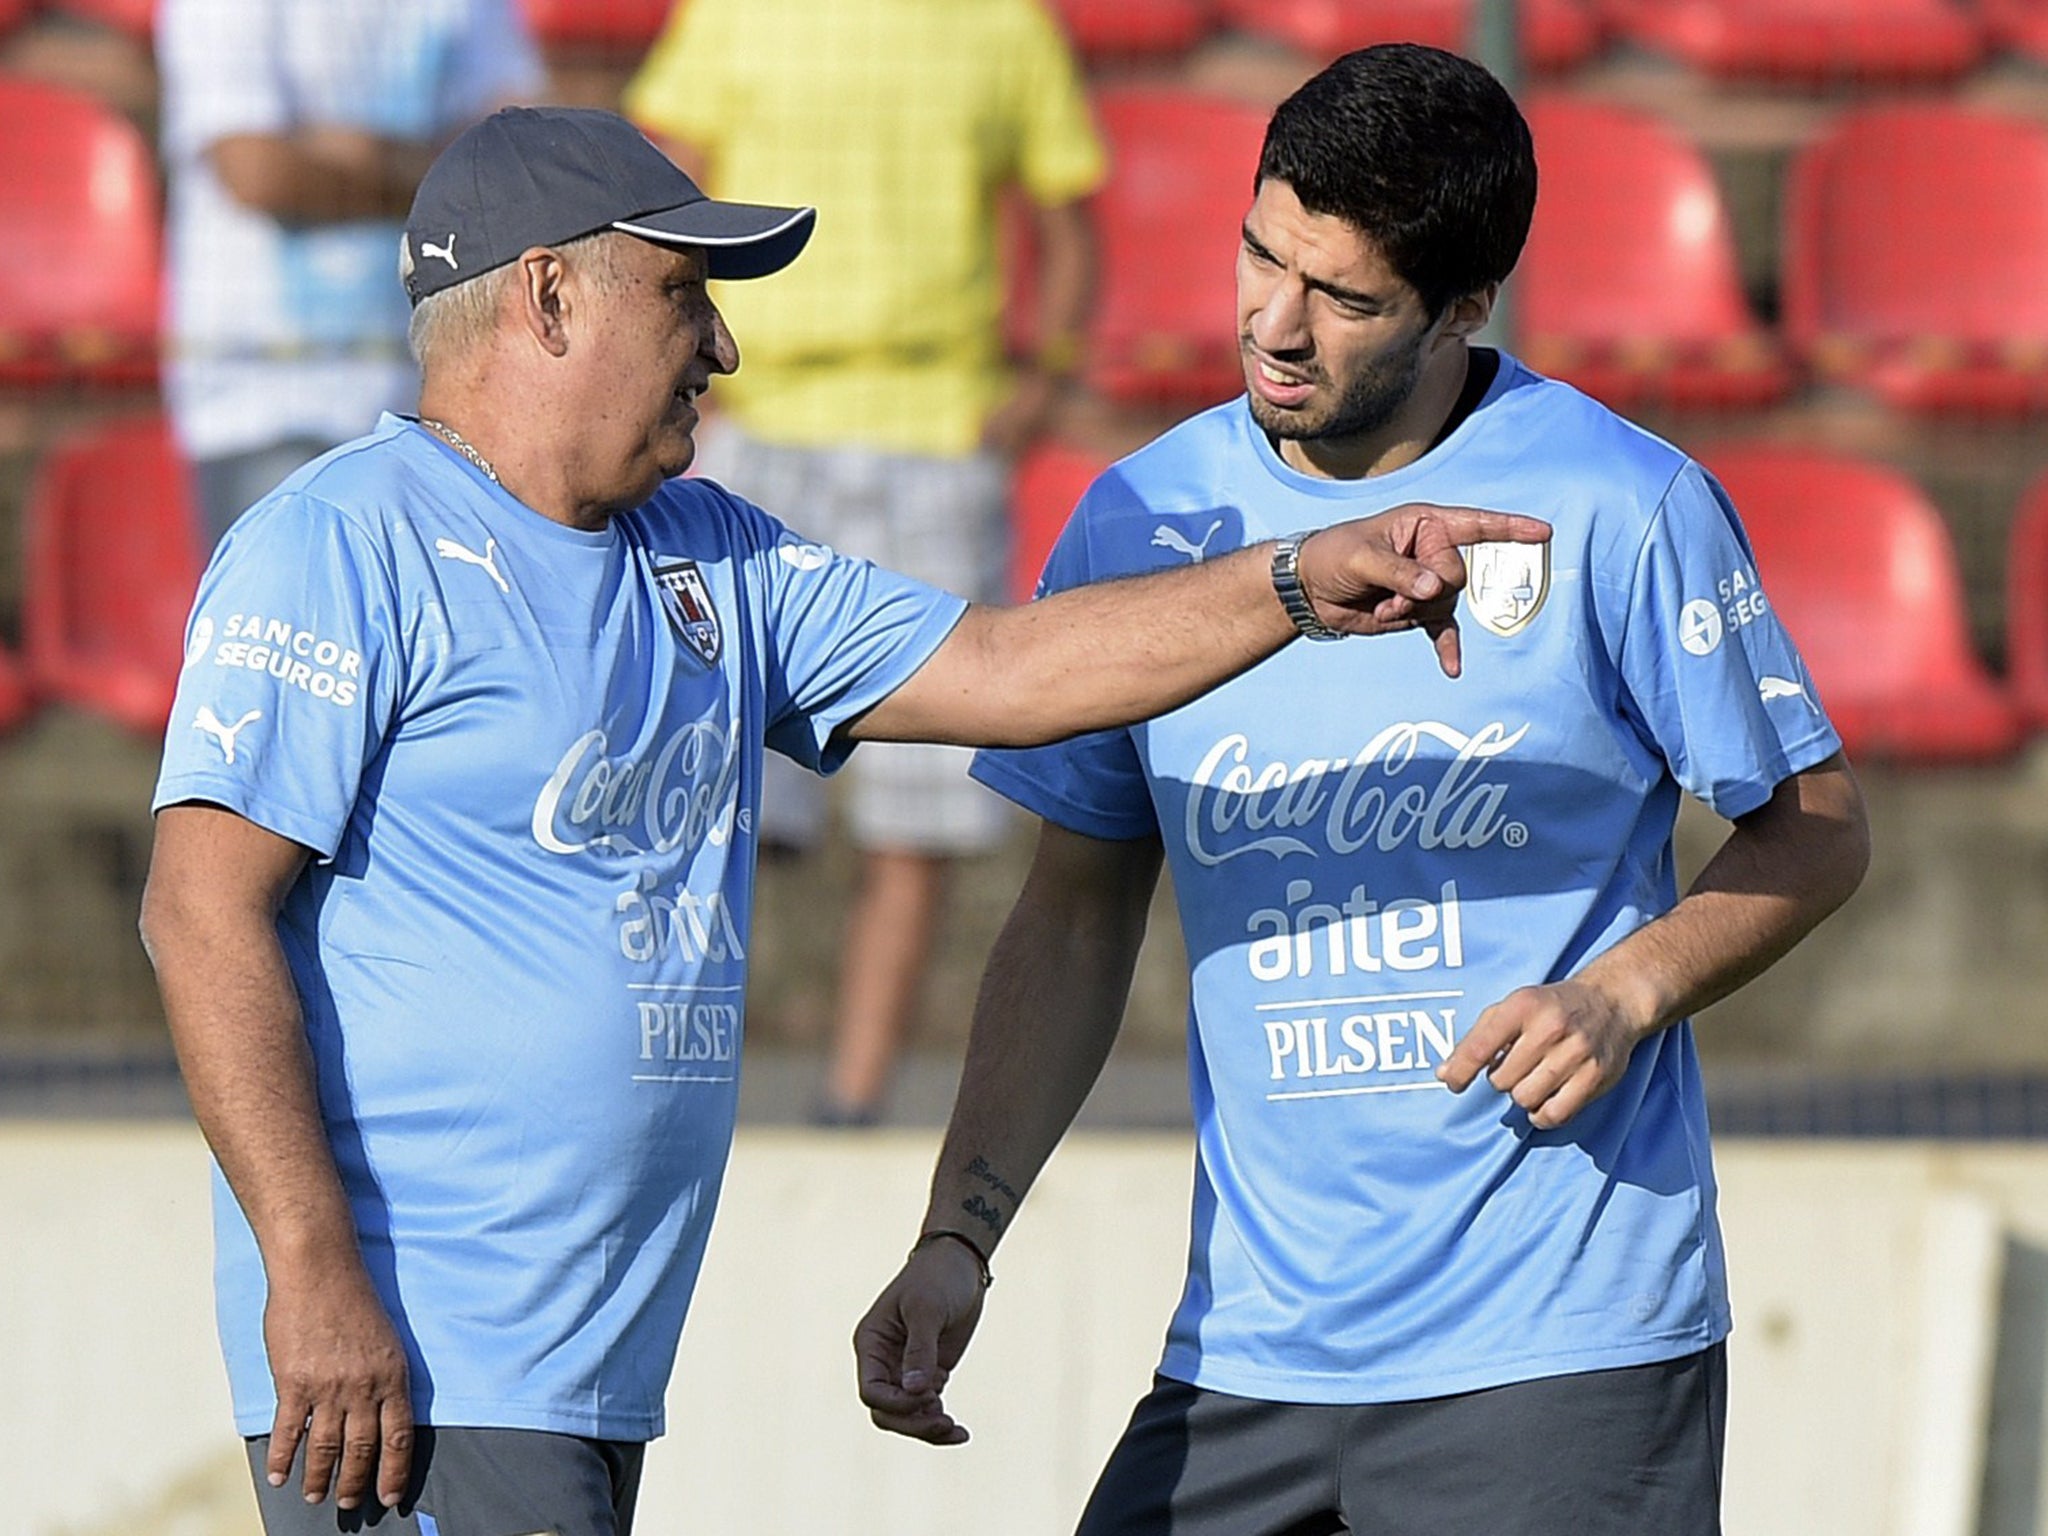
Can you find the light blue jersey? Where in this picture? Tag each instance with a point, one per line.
(528, 759)
(1366, 854)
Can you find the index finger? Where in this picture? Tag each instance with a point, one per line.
(1471, 525)
(1476, 1052)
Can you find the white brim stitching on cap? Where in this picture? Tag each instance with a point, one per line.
(673, 238)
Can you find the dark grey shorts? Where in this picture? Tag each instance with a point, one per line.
(476, 1482)
(1605, 1453)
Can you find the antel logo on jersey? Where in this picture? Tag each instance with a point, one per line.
(1381, 798)
(680, 796)
(1699, 627)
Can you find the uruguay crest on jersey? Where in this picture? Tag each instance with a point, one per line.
(688, 601)
(1507, 584)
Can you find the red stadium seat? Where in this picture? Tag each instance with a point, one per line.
(1628, 287)
(135, 17)
(1048, 482)
(112, 561)
(2026, 606)
(1808, 41)
(1862, 570)
(1916, 257)
(13, 13)
(15, 698)
(610, 26)
(1555, 34)
(1107, 29)
(79, 204)
(1181, 168)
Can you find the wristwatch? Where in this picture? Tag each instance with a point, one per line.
(1287, 586)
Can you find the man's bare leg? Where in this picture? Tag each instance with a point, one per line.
(882, 962)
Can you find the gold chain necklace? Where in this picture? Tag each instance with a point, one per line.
(461, 445)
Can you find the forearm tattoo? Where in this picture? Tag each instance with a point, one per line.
(983, 1210)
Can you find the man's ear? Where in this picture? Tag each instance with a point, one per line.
(1467, 315)
(543, 306)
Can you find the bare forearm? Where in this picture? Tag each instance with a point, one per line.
(1122, 651)
(1557, 1046)
(322, 176)
(209, 920)
(235, 1021)
(1050, 1006)
(1107, 654)
(1066, 284)
(1781, 871)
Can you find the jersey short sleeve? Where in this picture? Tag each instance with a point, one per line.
(1714, 678)
(1059, 155)
(1093, 784)
(842, 635)
(291, 676)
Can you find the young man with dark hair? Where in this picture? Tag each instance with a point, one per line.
(1415, 1301)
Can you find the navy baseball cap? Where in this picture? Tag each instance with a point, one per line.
(530, 176)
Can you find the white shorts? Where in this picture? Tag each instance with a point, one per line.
(943, 521)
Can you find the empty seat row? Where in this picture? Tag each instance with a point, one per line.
(1854, 557)
(1803, 42)
(1915, 254)
(1815, 41)
(1557, 32)
(1914, 262)
(1915, 249)
(1806, 42)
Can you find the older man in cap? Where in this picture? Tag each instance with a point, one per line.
(455, 842)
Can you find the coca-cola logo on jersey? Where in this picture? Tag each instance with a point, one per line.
(1420, 782)
(679, 796)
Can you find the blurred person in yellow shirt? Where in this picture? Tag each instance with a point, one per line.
(876, 409)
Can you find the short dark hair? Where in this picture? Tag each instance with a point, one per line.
(1423, 152)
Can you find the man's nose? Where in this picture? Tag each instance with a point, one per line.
(718, 346)
(1280, 324)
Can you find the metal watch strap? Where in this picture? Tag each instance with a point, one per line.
(1287, 585)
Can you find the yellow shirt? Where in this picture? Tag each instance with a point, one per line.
(901, 121)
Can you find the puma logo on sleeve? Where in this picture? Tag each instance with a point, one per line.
(224, 735)
(1164, 537)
